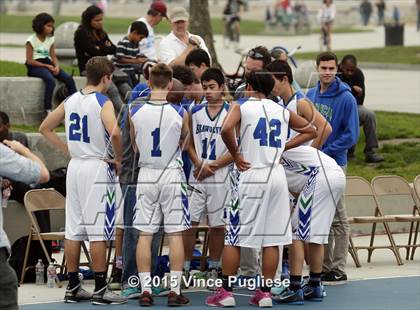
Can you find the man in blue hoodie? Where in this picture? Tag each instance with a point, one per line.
(334, 100)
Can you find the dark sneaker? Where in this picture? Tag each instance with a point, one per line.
(290, 297)
(76, 294)
(145, 299)
(334, 278)
(313, 293)
(175, 300)
(374, 158)
(105, 296)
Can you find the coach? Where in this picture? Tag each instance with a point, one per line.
(175, 47)
(17, 162)
(334, 100)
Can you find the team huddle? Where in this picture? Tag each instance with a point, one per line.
(258, 180)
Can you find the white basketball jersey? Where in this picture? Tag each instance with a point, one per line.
(206, 131)
(291, 105)
(264, 126)
(158, 131)
(85, 132)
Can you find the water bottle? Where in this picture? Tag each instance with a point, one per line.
(39, 271)
(51, 274)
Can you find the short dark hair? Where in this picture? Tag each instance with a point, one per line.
(160, 75)
(261, 81)
(4, 118)
(184, 74)
(139, 28)
(326, 56)
(280, 69)
(96, 68)
(213, 74)
(197, 57)
(349, 57)
(40, 21)
(260, 53)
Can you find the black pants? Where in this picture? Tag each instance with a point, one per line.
(8, 283)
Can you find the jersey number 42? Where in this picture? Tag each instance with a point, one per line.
(271, 137)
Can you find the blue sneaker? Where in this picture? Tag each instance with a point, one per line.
(160, 291)
(278, 290)
(314, 293)
(289, 297)
(130, 292)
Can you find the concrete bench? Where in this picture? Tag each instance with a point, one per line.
(22, 98)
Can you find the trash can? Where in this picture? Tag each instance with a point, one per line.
(394, 35)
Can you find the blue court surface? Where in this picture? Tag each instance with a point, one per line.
(387, 293)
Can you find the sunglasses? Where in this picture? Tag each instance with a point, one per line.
(255, 55)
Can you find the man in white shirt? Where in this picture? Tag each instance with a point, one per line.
(175, 47)
(154, 16)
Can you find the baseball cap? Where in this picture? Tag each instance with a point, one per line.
(177, 14)
(159, 6)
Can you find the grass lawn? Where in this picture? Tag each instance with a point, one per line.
(22, 24)
(402, 159)
(390, 54)
(10, 68)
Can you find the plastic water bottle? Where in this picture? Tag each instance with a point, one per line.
(51, 275)
(39, 271)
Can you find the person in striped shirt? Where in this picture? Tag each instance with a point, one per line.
(127, 56)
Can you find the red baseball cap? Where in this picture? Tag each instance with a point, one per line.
(159, 6)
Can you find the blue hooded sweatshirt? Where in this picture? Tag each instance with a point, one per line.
(339, 107)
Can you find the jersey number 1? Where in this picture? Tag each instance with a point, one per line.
(260, 132)
(156, 151)
(78, 130)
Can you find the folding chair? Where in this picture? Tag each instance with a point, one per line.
(416, 187)
(391, 186)
(42, 200)
(368, 212)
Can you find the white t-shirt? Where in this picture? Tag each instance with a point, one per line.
(326, 14)
(171, 47)
(41, 49)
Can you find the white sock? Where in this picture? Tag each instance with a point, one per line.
(145, 282)
(176, 285)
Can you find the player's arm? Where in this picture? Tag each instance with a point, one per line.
(111, 125)
(301, 125)
(229, 137)
(133, 136)
(185, 133)
(52, 121)
(222, 161)
(191, 147)
(323, 128)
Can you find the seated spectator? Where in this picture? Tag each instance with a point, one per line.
(127, 56)
(90, 40)
(199, 61)
(154, 16)
(353, 76)
(18, 189)
(175, 47)
(41, 59)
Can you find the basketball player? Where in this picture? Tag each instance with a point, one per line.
(160, 131)
(317, 182)
(91, 128)
(210, 158)
(259, 212)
